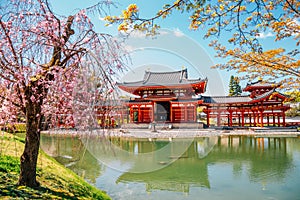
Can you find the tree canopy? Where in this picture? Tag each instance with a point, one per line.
(43, 57)
(246, 21)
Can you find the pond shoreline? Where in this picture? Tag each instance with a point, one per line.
(175, 133)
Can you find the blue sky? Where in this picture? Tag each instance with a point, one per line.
(176, 47)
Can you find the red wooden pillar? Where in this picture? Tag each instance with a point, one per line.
(268, 119)
(218, 119)
(195, 113)
(131, 114)
(254, 118)
(274, 124)
(139, 114)
(250, 124)
(243, 118)
(278, 119)
(230, 118)
(185, 113)
(153, 110)
(171, 112)
(262, 118)
(283, 118)
(207, 118)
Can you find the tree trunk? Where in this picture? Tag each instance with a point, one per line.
(32, 143)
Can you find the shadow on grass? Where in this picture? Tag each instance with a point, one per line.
(32, 193)
(9, 189)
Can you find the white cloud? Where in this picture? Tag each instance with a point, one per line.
(178, 33)
(137, 34)
(265, 35)
(163, 32)
(131, 48)
(141, 34)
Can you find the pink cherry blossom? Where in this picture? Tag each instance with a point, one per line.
(42, 56)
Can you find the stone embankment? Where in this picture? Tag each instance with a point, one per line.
(177, 133)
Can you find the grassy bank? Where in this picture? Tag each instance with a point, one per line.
(57, 182)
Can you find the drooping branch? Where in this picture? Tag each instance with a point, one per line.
(11, 45)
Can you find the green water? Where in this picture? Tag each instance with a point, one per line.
(237, 167)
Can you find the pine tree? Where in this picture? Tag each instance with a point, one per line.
(231, 86)
(237, 87)
(234, 86)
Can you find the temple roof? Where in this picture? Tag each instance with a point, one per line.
(239, 99)
(226, 99)
(264, 95)
(260, 84)
(164, 78)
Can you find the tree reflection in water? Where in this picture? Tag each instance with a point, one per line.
(70, 152)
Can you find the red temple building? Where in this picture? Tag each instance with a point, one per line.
(164, 97)
(263, 107)
(171, 97)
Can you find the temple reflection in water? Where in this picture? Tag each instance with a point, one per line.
(175, 165)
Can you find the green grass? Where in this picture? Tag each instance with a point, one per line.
(9, 164)
(57, 182)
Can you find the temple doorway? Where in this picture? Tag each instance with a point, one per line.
(162, 112)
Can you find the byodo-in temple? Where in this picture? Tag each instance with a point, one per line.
(171, 97)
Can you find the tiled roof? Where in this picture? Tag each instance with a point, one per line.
(267, 94)
(264, 95)
(261, 84)
(236, 99)
(226, 99)
(164, 78)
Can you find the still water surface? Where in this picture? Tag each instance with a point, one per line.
(235, 167)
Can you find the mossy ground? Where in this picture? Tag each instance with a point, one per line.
(56, 181)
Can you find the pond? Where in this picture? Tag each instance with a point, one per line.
(231, 167)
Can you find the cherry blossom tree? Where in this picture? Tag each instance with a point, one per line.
(42, 55)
